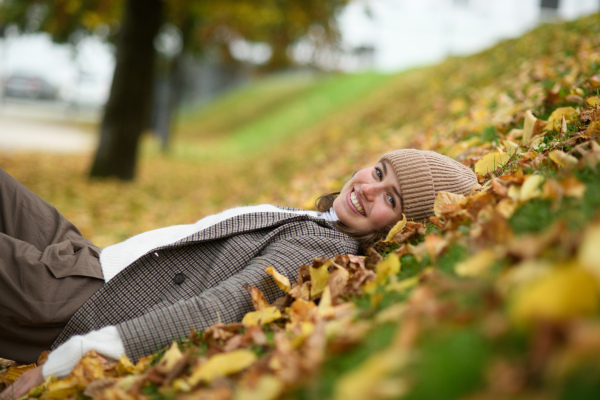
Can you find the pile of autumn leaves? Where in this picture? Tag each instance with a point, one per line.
(541, 287)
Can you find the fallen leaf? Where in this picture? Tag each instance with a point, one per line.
(490, 162)
(567, 291)
(319, 277)
(261, 317)
(554, 121)
(443, 200)
(528, 126)
(282, 281)
(396, 229)
(594, 80)
(562, 159)
(531, 187)
(363, 381)
(589, 251)
(268, 387)
(222, 365)
(593, 101)
(477, 264)
(384, 271)
(592, 130)
(258, 298)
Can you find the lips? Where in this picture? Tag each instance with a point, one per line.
(355, 203)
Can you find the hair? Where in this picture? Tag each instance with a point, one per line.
(365, 239)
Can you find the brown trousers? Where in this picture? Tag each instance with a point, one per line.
(47, 271)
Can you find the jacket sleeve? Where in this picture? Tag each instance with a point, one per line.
(228, 301)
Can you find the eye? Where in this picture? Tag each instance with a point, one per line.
(378, 173)
(392, 200)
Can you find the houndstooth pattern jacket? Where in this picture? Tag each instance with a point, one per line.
(198, 281)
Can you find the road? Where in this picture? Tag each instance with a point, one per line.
(46, 127)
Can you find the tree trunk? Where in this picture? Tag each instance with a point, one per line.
(127, 112)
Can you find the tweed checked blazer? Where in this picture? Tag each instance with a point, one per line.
(198, 281)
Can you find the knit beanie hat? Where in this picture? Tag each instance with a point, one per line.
(422, 174)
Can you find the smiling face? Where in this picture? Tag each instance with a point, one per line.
(371, 199)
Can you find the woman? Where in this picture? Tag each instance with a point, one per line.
(139, 295)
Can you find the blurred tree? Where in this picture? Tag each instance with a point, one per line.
(134, 25)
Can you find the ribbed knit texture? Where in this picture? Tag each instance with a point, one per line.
(422, 174)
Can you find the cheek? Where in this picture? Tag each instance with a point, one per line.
(383, 216)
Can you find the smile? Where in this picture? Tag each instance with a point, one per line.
(355, 203)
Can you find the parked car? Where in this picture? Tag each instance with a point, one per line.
(29, 86)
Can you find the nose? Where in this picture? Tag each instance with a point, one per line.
(371, 190)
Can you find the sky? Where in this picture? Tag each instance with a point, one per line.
(403, 34)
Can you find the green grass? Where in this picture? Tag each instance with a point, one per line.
(267, 113)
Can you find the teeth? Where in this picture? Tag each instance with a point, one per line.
(356, 203)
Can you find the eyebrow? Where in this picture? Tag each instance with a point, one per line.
(384, 164)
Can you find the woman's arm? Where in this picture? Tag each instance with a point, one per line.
(228, 301)
(105, 341)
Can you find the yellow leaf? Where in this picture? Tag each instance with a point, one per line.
(593, 101)
(594, 80)
(592, 130)
(170, 358)
(531, 187)
(125, 366)
(476, 265)
(282, 281)
(300, 332)
(528, 127)
(15, 372)
(262, 317)
(589, 251)
(268, 387)
(222, 365)
(364, 381)
(443, 199)
(490, 162)
(403, 285)
(511, 147)
(562, 159)
(319, 278)
(385, 270)
(566, 291)
(556, 117)
(396, 229)
(63, 388)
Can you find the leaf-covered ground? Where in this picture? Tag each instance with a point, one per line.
(497, 297)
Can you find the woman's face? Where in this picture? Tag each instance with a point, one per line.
(371, 199)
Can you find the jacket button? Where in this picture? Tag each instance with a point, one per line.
(155, 255)
(179, 278)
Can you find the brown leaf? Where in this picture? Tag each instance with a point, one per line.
(258, 298)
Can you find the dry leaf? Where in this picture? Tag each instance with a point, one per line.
(562, 159)
(528, 126)
(554, 121)
(593, 101)
(567, 291)
(222, 365)
(319, 277)
(477, 264)
(589, 251)
(282, 281)
(445, 199)
(396, 229)
(261, 317)
(258, 298)
(490, 162)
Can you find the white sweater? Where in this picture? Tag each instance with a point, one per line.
(115, 258)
